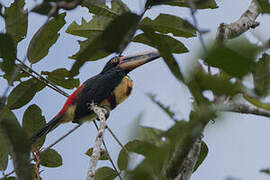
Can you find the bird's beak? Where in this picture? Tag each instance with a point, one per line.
(129, 63)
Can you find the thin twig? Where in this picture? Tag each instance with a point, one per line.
(110, 159)
(100, 112)
(61, 138)
(39, 77)
(117, 140)
(193, 10)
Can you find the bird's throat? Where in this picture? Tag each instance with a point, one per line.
(119, 94)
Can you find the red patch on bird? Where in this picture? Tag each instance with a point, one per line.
(73, 98)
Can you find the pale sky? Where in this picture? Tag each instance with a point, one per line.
(238, 144)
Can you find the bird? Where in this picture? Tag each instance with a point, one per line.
(107, 89)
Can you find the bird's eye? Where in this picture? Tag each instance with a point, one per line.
(114, 60)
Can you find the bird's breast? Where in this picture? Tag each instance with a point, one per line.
(119, 94)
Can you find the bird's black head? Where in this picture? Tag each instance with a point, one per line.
(128, 63)
(112, 63)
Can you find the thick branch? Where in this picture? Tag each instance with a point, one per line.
(244, 23)
(246, 109)
(190, 162)
(100, 112)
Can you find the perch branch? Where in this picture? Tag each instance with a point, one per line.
(244, 23)
(109, 157)
(100, 112)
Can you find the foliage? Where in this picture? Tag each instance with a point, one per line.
(18, 143)
(44, 38)
(51, 158)
(33, 121)
(103, 154)
(110, 30)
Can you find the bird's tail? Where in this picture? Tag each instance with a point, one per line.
(51, 125)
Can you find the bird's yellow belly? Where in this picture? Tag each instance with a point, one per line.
(119, 94)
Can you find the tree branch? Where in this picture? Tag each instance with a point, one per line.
(190, 162)
(109, 157)
(100, 112)
(245, 109)
(244, 23)
(28, 70)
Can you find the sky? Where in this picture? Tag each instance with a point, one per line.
(238, 144)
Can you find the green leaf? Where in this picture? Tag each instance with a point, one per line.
(185, 137)
(8, 53)
(99, 8)
(44, 38)
(176, 131)
(61, 78)
(99, 53)
(265, 171)
(43, 8)
(174, 46)
(89, 29)
(120, 32)
(105, 173)
(231, 59)
(18, 142)
(200, 4)
(24, 93)
(51, 158)
(202, 155)
(220, 85)
(258, 103)
(166, 109)
(141, 147)
(164, 52)
(122, 161)
(19, 77)
(16, 21)
(115, 33)
(33, 121)
(261, 76)
(166, 23)
(103, 154)
(151, 135)
(4, 151)
(264, 6)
